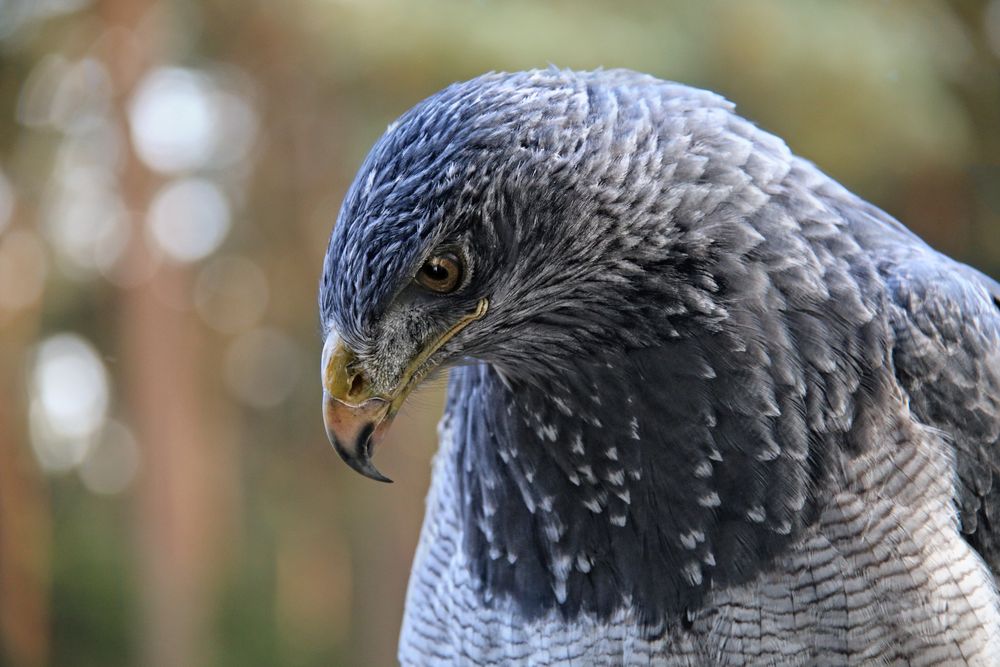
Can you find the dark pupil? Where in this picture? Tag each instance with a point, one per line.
(436, 272)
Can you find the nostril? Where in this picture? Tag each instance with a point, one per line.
(357, 385)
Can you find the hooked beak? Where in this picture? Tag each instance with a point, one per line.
(355, 416)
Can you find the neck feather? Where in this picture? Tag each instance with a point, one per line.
(659, 475)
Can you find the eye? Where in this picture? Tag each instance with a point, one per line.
(441, 273)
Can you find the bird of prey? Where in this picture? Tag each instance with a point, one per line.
(706, 406)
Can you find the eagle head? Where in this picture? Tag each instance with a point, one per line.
(513, 219)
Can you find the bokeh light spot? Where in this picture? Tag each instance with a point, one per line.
(85, 219)
(72, 384)
(70, 396)
(188, 219)
(262, 367)
(184, 120)
(112, 461)
(34, 105)
(82, 98)
(172, 120)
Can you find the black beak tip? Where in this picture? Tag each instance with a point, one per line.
(360, 459)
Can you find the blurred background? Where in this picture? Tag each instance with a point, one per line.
(169, 174)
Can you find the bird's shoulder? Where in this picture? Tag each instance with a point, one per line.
(945, 319)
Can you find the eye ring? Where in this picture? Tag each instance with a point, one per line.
(441, 273)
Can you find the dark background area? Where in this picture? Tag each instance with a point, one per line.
(169, 174)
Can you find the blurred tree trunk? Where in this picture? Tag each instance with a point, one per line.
(183, 486)
(25, 520)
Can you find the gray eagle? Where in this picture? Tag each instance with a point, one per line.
(706, 406)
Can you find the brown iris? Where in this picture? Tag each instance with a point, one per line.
(441, 273)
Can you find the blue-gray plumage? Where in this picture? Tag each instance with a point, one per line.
(719, 410)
